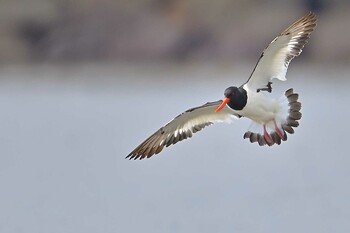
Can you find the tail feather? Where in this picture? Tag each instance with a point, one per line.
(291, 121)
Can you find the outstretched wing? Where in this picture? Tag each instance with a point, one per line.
(274, 60)
(182, 127)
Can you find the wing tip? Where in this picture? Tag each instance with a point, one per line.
(306, 24)
(144, 152)
(132, 156)
(310, 17)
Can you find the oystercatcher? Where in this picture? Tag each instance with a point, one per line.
(276, 116)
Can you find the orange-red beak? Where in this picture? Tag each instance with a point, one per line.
(224, 102)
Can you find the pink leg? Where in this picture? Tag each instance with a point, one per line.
(279, 132)
(267, 136)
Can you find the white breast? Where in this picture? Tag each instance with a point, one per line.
(262, 108)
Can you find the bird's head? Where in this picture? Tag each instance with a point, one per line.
(234, 98)
(230, 92)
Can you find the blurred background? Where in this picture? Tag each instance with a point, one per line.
(158, 30)
(83, 82)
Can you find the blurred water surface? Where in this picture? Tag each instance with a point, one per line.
(65, 131)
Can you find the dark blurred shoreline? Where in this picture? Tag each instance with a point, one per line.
(171, 30)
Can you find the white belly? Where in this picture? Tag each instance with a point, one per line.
(261, 108)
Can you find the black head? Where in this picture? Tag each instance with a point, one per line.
(238, 97)
(235, 98)
(231, 92)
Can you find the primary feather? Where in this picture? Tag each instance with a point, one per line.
(274, 60)
(182, 127)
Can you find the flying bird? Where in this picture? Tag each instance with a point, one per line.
(276, 116)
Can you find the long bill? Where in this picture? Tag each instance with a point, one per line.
(224, 102)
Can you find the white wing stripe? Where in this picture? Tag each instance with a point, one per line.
(182, 127)
(275, 59)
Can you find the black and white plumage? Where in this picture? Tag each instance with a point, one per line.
(252, 100)
(274, 60)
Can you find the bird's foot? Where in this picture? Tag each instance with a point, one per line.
(267, 136)
(279, 132)
(268, 88)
